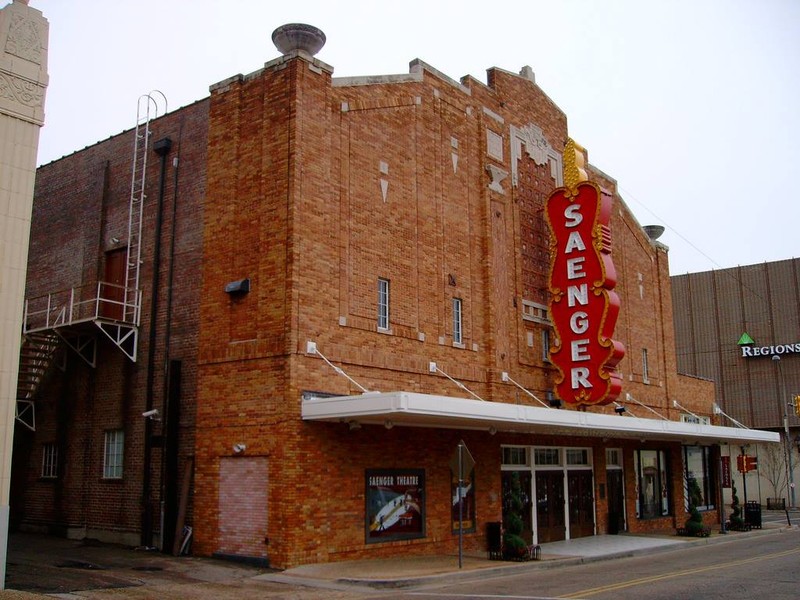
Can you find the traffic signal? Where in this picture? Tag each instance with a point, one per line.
(745, 463)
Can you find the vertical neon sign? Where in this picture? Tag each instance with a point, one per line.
(584, 306)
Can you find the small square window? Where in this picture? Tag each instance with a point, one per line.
(577, 456)
(515, 456)
(113, 454)
(547, 456)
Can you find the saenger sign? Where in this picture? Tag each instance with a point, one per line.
(583, 306)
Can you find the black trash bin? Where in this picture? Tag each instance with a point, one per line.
(752, 514)
(494, 540)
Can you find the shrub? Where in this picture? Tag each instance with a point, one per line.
(737, 522)
(514, 546)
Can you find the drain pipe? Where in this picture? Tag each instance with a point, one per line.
(161, 147)
(170, 400)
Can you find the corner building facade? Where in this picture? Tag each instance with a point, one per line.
(374, 296)
(392, 228)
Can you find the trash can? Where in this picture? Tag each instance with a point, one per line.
(494, 540)
(752, 514)
(776, 504)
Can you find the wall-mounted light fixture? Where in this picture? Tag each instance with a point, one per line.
(239, 448)
(240, 286)
(115, 240)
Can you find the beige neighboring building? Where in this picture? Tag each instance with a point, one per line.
(23, 80)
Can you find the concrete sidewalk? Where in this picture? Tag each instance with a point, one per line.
(407, 572)
(61, 568)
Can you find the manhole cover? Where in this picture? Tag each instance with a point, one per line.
(78, 564)
(147, 568)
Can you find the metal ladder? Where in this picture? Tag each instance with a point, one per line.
(146, 110)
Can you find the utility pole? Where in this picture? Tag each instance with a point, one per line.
(787, 449)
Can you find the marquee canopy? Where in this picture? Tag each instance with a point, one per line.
(411, 409)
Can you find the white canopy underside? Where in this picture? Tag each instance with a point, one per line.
(411, 409)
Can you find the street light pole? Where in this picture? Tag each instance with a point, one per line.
(786, 447)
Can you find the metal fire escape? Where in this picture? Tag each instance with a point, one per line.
(74, 315)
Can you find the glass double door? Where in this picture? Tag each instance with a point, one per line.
(554, 501)
(550, 515)
(551, 509)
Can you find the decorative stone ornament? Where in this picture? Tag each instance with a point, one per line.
(298, 36)
(23, 62)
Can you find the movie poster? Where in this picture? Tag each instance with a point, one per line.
(467, 501)
(395, 500)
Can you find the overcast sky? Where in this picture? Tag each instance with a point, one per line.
(692, 105)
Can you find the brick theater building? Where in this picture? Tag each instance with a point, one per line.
(338, 283)
(740, 327)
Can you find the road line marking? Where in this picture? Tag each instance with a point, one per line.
(652, 578)
(503, 597)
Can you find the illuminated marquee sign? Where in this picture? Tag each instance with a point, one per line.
(583, 306)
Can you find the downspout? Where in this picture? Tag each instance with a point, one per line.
(161, 147)
(170, 405)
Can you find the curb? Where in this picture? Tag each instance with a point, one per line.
(412, 581)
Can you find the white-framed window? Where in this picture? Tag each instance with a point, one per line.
(546, 345)
(49, 461)
(458, 337)
(515, 456)
(113, 454)
(383, 303)
(533, 311)
(550, 457)
(613, 458)
(645, 373)
(577, 457)
(652, 476)
(699, 476)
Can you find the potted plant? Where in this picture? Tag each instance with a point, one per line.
(514, 547)
(694, 524)
(736, 521)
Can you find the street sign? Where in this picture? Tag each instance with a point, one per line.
(467, 462)
(745, 463)
(462, 462)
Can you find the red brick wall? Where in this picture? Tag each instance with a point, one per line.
(281, 181)
(82, 202)
(295, 201)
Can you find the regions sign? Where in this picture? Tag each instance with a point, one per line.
(583, 306)
(777, 350)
